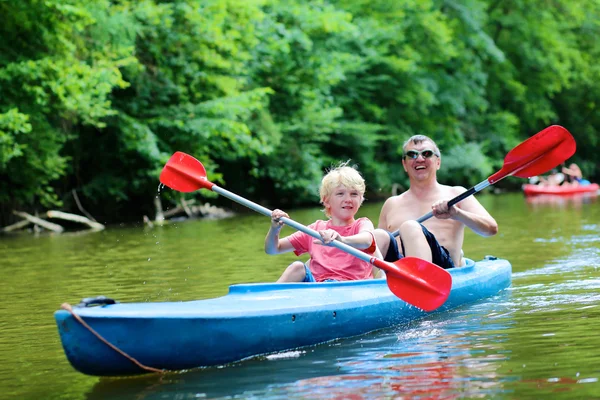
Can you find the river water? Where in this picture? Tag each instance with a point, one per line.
(538, 339)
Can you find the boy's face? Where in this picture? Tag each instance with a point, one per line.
(343, 203)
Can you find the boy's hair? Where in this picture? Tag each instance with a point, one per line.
(416, 139)
(342, 174)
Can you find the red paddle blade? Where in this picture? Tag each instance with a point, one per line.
(549, 160)
(418, 282)
(538, 154)
(184, 173)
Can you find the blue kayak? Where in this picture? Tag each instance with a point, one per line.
(252, 319)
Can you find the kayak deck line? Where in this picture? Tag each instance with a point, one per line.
(252, 319)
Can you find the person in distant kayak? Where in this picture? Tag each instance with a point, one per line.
(342, 193)
(439, 239)
(555, 178)
(574, 175)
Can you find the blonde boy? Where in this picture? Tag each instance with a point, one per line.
(342, 193)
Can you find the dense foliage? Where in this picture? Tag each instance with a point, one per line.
(269, 93)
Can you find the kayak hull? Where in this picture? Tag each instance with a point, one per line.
(252, 319)
(531, 190)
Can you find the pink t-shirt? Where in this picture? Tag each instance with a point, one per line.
(328, 262)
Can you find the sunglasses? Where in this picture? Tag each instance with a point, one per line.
(414, 154)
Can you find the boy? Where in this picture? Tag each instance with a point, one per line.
(342, 193)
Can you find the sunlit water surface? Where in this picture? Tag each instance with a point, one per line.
(538, 339)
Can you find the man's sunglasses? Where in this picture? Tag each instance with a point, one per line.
(414, 154)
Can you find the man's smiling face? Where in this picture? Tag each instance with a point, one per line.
(421, 160)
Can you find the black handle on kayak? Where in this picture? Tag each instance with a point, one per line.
(96, 301)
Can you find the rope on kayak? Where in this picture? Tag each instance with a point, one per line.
(67, 307)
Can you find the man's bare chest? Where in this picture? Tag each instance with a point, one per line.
(405, 212)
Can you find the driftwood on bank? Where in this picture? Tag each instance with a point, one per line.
(75, 218)
(212, 212)
(187, 208)
(171, 212)
(17, 225)
(40, 222)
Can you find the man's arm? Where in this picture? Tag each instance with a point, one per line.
(382, 224)
(476, 217)
(469, 212)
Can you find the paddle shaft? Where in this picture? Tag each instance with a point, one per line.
(265, 211)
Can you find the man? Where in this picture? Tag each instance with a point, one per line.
(439, 239)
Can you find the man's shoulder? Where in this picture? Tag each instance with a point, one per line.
(454, 190)
(395, 200)
(401, 196)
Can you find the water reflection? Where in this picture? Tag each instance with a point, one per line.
(576, 200)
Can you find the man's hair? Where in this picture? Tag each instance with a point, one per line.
(416, 139)
(342, 174)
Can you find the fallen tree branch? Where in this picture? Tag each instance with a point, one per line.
(173, 211)
(213, 212)
(17, 225)
(75, 218)
(38, 221)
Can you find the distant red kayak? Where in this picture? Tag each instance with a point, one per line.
(538, 189)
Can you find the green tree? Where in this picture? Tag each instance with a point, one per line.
(51, 83)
